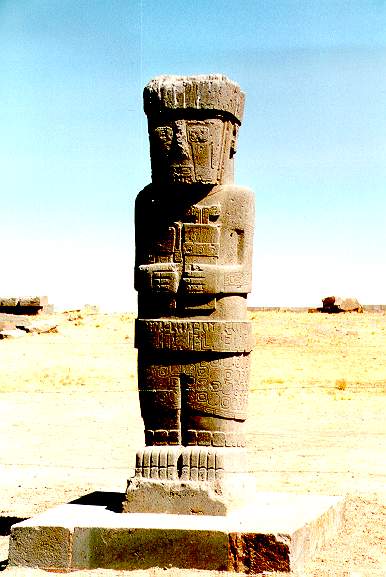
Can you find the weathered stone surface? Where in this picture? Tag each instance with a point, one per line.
(213, 92)
(274, 532)
(33, 301)
(335, 304)
(149, 547)
(175, 497)
(47, 547)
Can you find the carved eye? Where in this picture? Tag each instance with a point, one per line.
(164, 134)
(198, 134)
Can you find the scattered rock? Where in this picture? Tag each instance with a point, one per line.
(18, 325)
(12, 334)
(40, 326)
(339, 304)
(91, 309)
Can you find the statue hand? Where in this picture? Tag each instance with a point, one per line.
(164, 281)
(158, 278)
(200, 279)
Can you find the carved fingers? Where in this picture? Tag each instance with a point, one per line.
(202, 279)
(215, 279)
(159, 278)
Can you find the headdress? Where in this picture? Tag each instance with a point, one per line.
(212, 92)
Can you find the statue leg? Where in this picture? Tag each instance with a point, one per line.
(160, 399)
(214, 401)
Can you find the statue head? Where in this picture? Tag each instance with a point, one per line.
(193, 124)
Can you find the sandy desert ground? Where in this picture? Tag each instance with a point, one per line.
(70, 422)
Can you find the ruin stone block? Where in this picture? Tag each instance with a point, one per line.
(25, 305)
(334, 304)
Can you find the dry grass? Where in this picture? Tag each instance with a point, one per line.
(91, 351)
(300, 351)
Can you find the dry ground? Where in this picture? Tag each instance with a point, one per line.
(70, 422)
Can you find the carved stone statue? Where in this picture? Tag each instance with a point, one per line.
(194, 232)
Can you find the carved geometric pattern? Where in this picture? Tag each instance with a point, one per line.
(215, 438)
(218, 386)
(156, 464)
(194, 335)
(187, 463)
(162, 437)
(159, 437)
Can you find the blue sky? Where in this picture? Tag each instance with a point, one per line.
(74, 152)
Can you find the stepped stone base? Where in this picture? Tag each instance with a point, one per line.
(275, 532)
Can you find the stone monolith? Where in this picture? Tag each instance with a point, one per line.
(194, 230)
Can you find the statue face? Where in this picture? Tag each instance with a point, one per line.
(191, 151)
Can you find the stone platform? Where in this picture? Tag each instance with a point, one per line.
(276, 532)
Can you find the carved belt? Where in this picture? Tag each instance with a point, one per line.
(197, 335)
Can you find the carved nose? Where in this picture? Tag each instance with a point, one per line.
(180, 144)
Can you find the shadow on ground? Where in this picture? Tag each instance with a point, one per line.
(6, 524)
(109, 500)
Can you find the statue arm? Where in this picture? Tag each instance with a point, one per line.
(234, 277)
(217, 279)
(151, 276)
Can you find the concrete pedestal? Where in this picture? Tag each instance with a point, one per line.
(276, 532)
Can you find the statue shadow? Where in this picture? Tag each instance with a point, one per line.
(108, 500)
